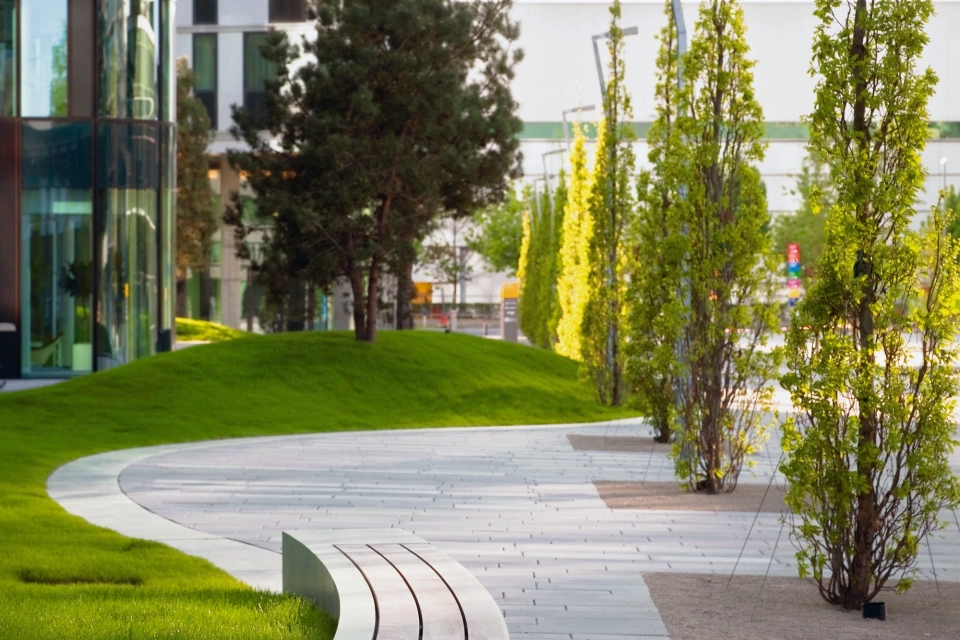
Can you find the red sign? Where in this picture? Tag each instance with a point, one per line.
(793, 252)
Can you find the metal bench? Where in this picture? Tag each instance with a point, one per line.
(387, 584)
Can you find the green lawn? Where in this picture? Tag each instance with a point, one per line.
(63, 578)
(200, 331)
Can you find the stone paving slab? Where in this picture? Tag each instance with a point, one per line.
(515, 506)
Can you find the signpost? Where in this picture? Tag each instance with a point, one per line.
(509, 294)
(793, 273)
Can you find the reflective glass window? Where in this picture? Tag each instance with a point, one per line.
(205, 73)
(129, 46)
(168, 63)
(43, 60)
(8, 57)
(168, 225)
(57, 248)
(204, 11)
(257, 71)
(288, 11)
(127, 237)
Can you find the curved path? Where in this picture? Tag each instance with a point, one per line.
(515, 505)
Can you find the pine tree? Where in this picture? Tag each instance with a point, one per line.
(727, 286)
(611, 208)
(572, 286)
(868, 449)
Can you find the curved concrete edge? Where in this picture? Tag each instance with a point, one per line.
(90, 488)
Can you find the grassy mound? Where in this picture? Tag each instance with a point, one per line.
(201, 331)
(61, 577)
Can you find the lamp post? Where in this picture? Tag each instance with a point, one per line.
(629, 31)
(943, 171)
(566, 134)
(255, 251)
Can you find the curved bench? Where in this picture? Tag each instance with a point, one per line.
(387, 584)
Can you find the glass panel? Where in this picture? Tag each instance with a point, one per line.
(168, 239)
(257, 71)
(128, 58)
(8, 57)
(43, 61)
(128, 182)
(204, 11)
(287, 11)
(57, 250)
(168, 65)
(205, 73)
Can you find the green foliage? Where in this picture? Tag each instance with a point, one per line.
(201, 331)
(271, 385)
(572, 284)
(58, 84)
(401, 112)
(655, 311)
(197, 219)
(611, 209)
(539, 266)
(807, 225)
(498, 233)
(868, 448)
(951, 202)
(727, 281)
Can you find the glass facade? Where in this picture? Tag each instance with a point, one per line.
(43, 58)
(257, 71)
(288, 11)
(8, 58)
(88, 209)
(205, 73)
(204, 11)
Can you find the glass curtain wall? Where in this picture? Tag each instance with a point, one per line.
(257, 71)
(127, 238)
(8, 58)
(129, 46)
(57, 248)
(43, 59)
(205, 73)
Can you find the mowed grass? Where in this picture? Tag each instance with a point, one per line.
(201, 331)
(63, 578)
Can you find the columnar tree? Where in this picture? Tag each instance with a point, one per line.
(726, 277)
(611, 207)
(397, 110)
(197, 219)
(656, 244)
(868, 449)
(538, 270)
(572, 284)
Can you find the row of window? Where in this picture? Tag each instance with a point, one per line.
(206, 11)
(257, 71)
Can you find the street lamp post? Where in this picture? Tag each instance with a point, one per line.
(629, 31)
(943, 170)
(566, 134)
(255, 250)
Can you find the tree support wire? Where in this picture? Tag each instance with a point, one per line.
(757, 515)
(769, 564)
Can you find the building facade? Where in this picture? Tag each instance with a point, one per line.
(87, 184)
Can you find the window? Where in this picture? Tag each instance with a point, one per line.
(43, 70)
(8, 58)
(205, 73)
(257, 72)
(128, 60)
(288, 11)
(204, 11)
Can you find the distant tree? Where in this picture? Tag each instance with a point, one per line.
(497, 233)
(197, 221)
(397, 111)
(951, 202)
(539, 265)
(807, 225)
(868, 448)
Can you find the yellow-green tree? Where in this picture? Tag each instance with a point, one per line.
(872, 375)
(572, 285)
(610, 209)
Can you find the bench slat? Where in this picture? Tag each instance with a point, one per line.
(484, 618)
(441, 615)
(398, 619)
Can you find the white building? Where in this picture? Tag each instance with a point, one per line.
(559, 73)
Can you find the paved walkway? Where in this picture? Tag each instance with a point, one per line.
(516, 506)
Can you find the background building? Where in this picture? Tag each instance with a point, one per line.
(86, 184)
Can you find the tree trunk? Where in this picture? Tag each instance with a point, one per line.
(310, 311)
(373, 298)
(359, 314)
(181, 297)
(405, 296)
(205, 293)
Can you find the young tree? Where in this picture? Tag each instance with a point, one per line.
(611, 208)
(572, 285)
(538, 267)
(398, 110)
(807, 225)
(197, 219)
(868, 449)
(727, 284)
(654, 310)
(498, 232)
